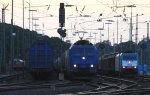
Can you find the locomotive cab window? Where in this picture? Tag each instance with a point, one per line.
(84, 51)
(89, 52)
(129, 57)
(78, 52)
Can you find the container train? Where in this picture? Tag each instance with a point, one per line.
(80, 60)
(41, 59)
(124, 63)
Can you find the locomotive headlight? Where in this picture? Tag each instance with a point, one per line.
(92, 66)
(135, 67)
(123, 66)
(83, 58)
(75, 65)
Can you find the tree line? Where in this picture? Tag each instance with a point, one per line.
(23, 40)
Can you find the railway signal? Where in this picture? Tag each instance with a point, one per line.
(61, 15)
(62, 32)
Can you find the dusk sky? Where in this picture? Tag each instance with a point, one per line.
(48, 16)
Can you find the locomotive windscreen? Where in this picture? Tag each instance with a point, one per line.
(83, 51)
(89, 51)
(78, 52)
(129, 57)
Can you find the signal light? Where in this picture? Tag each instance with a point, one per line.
(62, 32)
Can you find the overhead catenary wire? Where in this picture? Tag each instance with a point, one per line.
(107, 4)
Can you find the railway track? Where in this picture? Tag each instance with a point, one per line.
(143, 91)
(116, 86)
(39, 85)
(11, 83)
(99, 86)
(123, 83)
(9, 77)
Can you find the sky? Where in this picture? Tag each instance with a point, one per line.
(48, 17)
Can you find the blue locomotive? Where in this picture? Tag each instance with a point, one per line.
(41, 59)
(126, 63)
(80, 59)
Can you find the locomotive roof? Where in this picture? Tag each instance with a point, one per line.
(114, 54)
(39, 42)
(110, 55)
(82, 42)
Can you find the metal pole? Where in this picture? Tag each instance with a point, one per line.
(117, 26)
(32, 20)
(136, 36)
(100, 36)
(95, 38)
(12, 40)
(121, 39)
(131, 25)
(121, 42)
(130, 34)
(23, 32)
(43, 29)
(108, 30)
(114, 41)
(12, 11)
(23, 12)
(1, 54)
(2, 38)
(35, 23)
(23, 40)
(32, 17)
(61, 74)
(90, 36)
(4, 43)
(29, 14)
(117, 30)
(142, 63)
(101, 33)
(147, 31)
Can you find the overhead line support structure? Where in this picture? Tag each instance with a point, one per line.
(12, 39)
(147, 30)
(29, 12)
(108, 29)
(3, 43)
(117, 25)
(131, 27)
